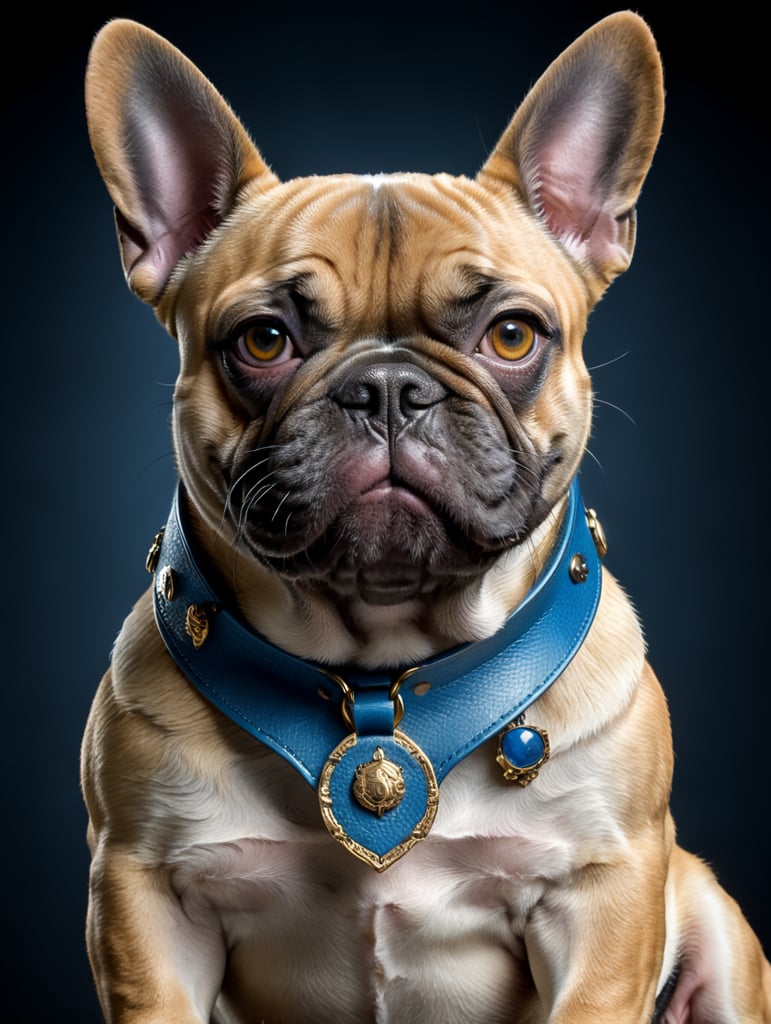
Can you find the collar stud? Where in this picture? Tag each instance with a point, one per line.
(578, 569)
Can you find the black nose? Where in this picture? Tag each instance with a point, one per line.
(391, 394)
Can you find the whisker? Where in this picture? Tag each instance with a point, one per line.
(256, 494)
(161, 458)
(249, 468)
(272, 518)
(609, 362)
(246, 472)
(618, 408)
(485, 146)
(229, 503)
(521, 464)
(591, 454)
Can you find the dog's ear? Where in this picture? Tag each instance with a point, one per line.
(578, 148)
(171, 152)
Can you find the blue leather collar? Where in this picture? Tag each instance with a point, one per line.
(324, 721)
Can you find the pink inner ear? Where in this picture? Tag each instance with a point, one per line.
(580, 144)
(177, 177)
(565, 179)
(570, 176)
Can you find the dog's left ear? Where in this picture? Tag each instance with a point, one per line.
(580, 145)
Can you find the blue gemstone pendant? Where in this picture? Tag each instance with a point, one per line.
(522, 751)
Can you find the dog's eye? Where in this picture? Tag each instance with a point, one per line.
(264, 342)
(509, 338)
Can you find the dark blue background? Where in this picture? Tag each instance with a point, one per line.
(681, 346)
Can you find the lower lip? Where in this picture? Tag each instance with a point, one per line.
(386, 491)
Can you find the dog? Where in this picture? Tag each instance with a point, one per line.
(380, 742)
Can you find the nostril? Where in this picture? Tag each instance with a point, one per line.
(421, 395)
(360, 395)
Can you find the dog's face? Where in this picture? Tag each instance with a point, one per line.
(382, 389)
(380, 385)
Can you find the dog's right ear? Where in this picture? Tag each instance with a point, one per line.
(171, 151)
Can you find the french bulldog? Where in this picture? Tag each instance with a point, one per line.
(380, 742)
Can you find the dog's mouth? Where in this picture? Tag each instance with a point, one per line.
(387, 544)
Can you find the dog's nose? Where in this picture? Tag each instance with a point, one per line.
(389, 393)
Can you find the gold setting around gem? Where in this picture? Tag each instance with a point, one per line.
(523, 776)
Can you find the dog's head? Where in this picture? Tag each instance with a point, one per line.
(382, 390)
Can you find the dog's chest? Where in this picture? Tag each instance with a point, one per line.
(322, 936)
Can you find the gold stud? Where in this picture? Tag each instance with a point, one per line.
(167, 582)
(597, 532)
(154, 553)
(579, 570)
(197, 624)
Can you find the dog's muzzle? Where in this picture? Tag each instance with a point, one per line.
(388, 478)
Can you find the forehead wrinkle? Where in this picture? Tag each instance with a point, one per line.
(387, 217)
(353, 232)
(438, 234)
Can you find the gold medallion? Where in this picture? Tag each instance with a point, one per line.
(378, 785)
(350, 787)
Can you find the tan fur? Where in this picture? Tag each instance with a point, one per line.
(216, 892)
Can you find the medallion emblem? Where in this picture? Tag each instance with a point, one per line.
(378, 785)
(355, 794)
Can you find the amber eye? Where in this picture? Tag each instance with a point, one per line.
(511, 339)
(264, 342)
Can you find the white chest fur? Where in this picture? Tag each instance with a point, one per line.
(315, 929)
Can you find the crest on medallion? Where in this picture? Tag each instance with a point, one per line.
(378, 785)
